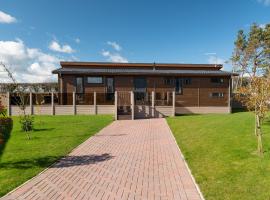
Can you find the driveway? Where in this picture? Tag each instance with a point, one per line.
(126, 160)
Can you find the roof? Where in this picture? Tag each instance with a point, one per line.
(114, 64)
(128, 71)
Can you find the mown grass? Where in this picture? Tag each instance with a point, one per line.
(221, 152)
(54, 137)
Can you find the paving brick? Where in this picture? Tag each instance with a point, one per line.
(126, 160)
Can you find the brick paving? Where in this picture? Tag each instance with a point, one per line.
(126, 160)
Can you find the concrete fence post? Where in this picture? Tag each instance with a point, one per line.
(74, 102)
(95, 103)
(153, 103)
(8, 104)
(31, 103)
(115, 104)
(229, 97)
(52, 102)
(132, 105)
(173, 103)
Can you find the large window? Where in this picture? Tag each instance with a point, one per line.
(217, 80)
(95, 79)
(187, 81)
(79, 85)
(169, 81)
(217, 95)
(179, 86)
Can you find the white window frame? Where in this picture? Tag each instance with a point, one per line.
(99, 80)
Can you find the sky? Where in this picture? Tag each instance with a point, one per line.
(36, 35)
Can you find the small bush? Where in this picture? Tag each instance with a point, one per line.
(27, 123)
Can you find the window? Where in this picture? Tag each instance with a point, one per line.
(169, 81)
(140, 84)
(217, 80)
(110, 85)
(179, 86)
(217, 95)
(96, 80)
(187, 81)
(79, 85)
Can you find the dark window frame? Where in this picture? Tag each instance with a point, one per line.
(169, 81)
(187, 81)
(76, 84)
(218, 95)
(179, 86)
(217, 80)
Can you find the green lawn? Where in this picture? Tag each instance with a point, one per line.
(54, 137)
(221, 152)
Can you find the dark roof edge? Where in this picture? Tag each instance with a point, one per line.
(135, 64)
(76, 71)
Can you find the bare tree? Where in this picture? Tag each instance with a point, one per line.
(26, 120)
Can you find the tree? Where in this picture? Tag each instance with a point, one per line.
(251, 59)
(25, 120)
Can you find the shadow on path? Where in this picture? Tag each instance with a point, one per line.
(67, 161)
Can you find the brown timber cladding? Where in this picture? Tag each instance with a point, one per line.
(198, 93)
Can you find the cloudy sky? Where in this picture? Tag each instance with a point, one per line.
(36, 35)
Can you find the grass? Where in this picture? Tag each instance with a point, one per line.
(221, 152)
(54, 137)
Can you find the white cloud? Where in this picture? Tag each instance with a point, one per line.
(215, 60)
(55, 46)
(113, 57)
(262, 26)
(77, 40)
(210, 53)
(114, 45)
(27, 64)
(6, 18)
(265, 2)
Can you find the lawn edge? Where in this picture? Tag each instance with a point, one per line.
(183, 158)
(45, 169)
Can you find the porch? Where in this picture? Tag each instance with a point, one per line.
(121, 104)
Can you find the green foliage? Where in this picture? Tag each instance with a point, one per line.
(3, 110)
(27, 123)
(6, 125)
(220, 151)
(55, 138)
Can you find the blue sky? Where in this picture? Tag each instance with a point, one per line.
(35, 35)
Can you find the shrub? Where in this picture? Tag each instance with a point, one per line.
(6, 125)
(27, 123)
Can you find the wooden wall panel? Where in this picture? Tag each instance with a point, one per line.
(123, 83)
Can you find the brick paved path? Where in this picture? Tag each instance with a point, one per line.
(126, 160)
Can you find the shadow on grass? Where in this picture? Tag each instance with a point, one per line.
(239, 110)
(43, 129)
(68, 161)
